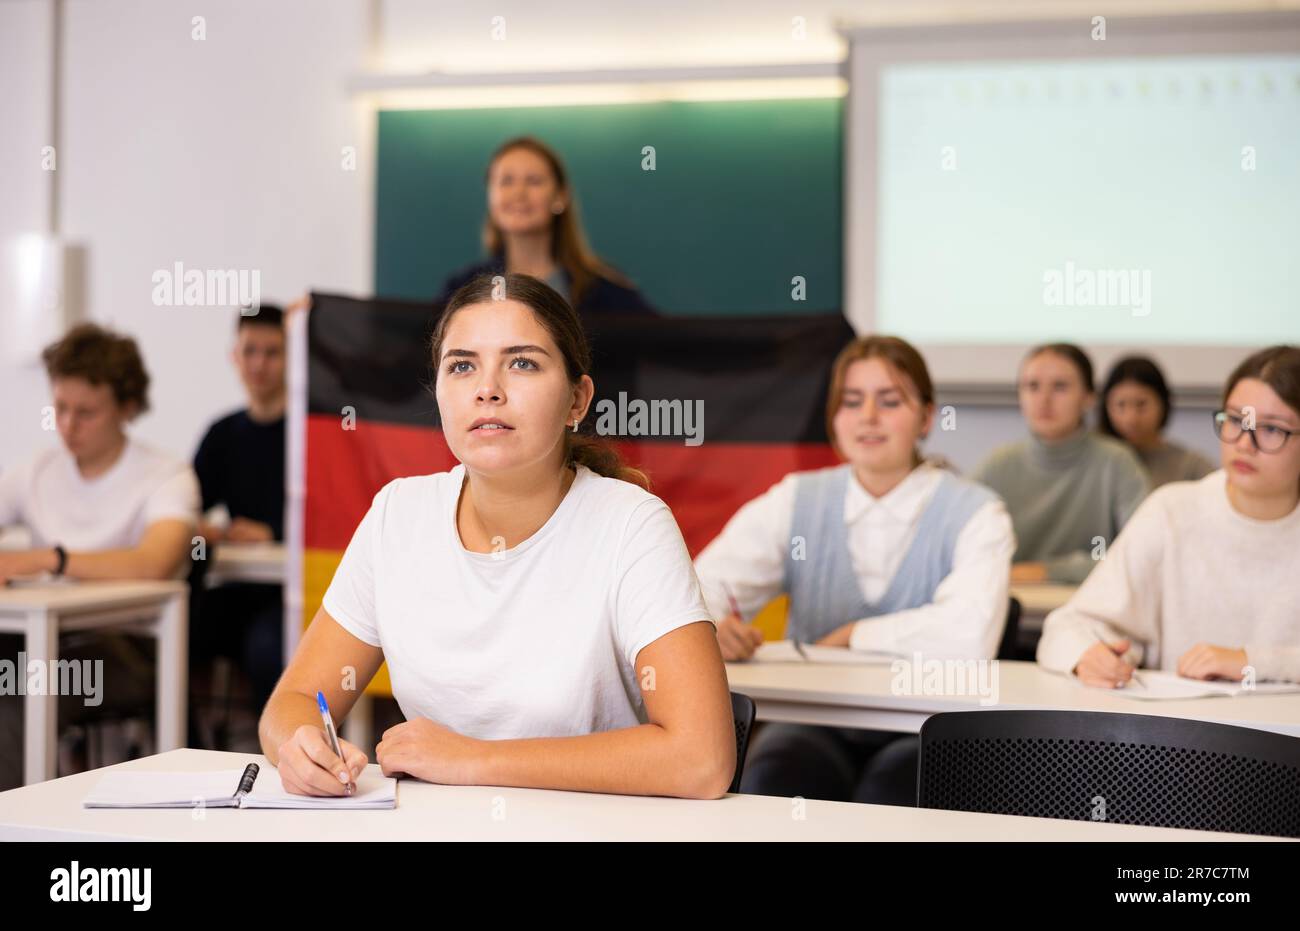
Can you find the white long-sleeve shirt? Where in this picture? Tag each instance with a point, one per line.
(967, 615)
(1187, 568)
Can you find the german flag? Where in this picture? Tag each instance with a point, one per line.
(731, 404)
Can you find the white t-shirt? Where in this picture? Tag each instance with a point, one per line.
(536, 641)
(49, 496)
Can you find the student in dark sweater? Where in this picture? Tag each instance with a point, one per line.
(532, 227)
(240, 464)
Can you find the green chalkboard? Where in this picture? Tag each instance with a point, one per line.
(745, 196)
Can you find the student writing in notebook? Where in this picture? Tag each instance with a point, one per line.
(1202, 580)
(536, 606)
(1069, 490)
(883, 553)
(98, 504)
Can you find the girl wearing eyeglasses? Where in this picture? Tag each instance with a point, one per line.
(1202, 580)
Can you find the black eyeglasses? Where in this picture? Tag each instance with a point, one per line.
(1268, 438)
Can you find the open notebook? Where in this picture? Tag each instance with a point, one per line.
(1165, 686)
(251, 787)
(784, 651)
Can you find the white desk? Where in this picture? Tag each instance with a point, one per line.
(41, 613)
(861, 696)
(247, 562)
(425, 812)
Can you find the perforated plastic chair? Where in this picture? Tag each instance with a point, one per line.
(1009, 648)
(742, 709)
(1124, 768)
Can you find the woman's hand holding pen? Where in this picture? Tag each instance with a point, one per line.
(1102, 665)
(309, 767)
(736, 639)
(429, 751)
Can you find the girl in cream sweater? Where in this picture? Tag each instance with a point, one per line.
(1202, 581)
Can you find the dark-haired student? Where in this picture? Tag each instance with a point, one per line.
(1202, 580)
(240, 465)
(883, 553)
(98, 505)
(1069, 490)
(532, 228)
(536, 606)
(1135, 407)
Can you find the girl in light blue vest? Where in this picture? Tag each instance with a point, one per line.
(882, 553)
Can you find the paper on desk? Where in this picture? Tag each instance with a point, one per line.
(121, 789)
(216, 789)
(373, 790)
(1167, 686)
(783, 651)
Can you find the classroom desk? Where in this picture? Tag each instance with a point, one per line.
(861, 696)
(52, 811)
(42, 612)
(247, 562)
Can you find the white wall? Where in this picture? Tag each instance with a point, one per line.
(221, 153)
(980, 429)
(419, 35)
(24, 114)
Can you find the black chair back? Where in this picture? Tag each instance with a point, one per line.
(1125, 768)
(1009, 648)
(742, 709)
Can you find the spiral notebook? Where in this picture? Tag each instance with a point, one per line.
(252, 787)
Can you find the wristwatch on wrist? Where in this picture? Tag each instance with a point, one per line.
(62, 554)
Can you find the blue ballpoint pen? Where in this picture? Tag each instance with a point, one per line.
(332, 734)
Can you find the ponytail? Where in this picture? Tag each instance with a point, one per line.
(601, 458)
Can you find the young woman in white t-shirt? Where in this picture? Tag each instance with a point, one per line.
(538, 611)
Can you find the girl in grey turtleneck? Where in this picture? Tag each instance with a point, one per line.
(1069, 490)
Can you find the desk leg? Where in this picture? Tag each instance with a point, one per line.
(41, 712)
(172, 630)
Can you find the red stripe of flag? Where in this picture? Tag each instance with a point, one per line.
(704, 485)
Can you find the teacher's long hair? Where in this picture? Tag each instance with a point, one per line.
(569, 246)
